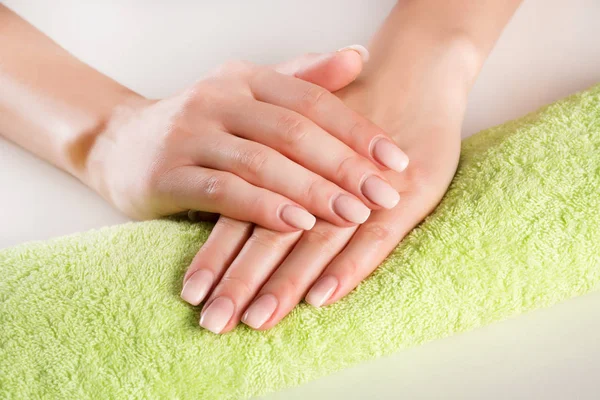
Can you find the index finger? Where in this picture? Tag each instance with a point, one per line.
(371, 244)
(331, 114)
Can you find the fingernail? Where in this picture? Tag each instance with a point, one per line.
(362, 50)
(380, 192)
(297, 217)
(197, 286)
(217, 315)
(389, 155)
(321, 291)
(351, 209)
(260, 311)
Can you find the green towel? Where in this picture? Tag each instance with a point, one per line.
(98, 315)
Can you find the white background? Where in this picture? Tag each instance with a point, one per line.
(549, 50)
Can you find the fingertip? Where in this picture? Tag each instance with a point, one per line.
(335, 71)
(260, 311)
(322, 291)
(297, 217)
(360, 49)
(346, 65)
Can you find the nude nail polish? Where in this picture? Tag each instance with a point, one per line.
(380, 192)
(351, 209)
(321, 291)
(197, 286)
(260, 311)
(217, 315)
(362, 50)
(388, 154)
(297, 217)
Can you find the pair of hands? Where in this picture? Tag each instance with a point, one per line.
(260, 145)
(257, 276)
(297, 150)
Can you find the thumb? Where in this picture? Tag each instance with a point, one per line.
(331, 71)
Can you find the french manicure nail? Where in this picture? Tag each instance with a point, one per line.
(389, 155)
(380, 192)
(197, 286)
(297, 217)
(362, 50)
(217, 315)
(321, 291)
(260, 311)
(351, 209)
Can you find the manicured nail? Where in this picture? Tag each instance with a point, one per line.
(260, 311)
(389, 155)
(217, 315)
(380, 192)
(321, 291)
(297, 217)
(362, 50)
(351, 209)
(197, 286)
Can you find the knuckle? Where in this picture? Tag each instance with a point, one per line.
(258, 76)
(269, 239)
(326, 238)
(236, 67)
(350, 268)
(313, 189)
(358, 129)
(252, 160)
(175, 133)
(289, 287)
(212, 187)
(202, 97)
(312, 97)
(349, 164)
(292, 129)
(237, 285)
(377, 231)
(231, 224)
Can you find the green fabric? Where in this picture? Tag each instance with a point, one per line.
(98, 315)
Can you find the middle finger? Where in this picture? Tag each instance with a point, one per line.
(304, 142)
(290, 282)
(261, 254)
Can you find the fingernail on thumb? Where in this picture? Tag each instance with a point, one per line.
(362, 50)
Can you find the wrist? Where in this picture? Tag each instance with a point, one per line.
(85, 148)
(417, 52)
(437, 73)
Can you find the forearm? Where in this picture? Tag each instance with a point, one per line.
(51, 103)
(416, 28)
(424, 47)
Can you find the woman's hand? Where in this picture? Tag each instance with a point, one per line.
(258, 276)
(254, 144)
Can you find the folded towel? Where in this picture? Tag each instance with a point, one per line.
(98, 315)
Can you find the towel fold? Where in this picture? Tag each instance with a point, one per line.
(98, 315)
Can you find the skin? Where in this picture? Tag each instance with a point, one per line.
(424, 61)
(255, 143)
(308, 153)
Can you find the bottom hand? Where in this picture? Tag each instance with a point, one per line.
(258, 276)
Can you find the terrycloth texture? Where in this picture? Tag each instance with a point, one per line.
(98, 315)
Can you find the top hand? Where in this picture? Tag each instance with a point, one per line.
(254, 144)
(422, 108)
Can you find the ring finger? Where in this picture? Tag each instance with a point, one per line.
(264, 167)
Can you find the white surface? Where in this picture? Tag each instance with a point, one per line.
(549, 50)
